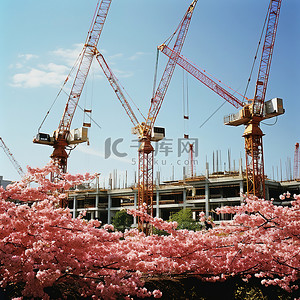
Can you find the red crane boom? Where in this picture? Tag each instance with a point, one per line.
(62, 137)
(266, 57)
(116, 87)
(158, 98)
(84, 65)
(198, 74)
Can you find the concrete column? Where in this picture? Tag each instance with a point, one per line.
(157, 204)
(207, 190)
(241, 167)
(241, 190)
(97, 207)
(135, 206)
(207, 197)
(184, 197)
(267, 192)
(74, 206)
(206, 170)
(109, 209)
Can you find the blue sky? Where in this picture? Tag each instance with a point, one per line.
(41, 41)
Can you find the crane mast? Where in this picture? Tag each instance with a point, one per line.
(253, 134)
(11, 158)
(61, 137)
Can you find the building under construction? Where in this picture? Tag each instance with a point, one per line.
(200, 193)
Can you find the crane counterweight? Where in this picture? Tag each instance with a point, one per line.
(271, 108)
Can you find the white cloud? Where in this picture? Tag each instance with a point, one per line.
(31, 73)
(16, 66)
(24, 58)
(60, 69)
(27, 56)
(69, 56)
(35, 78)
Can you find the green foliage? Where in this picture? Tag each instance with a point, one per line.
(159, 232)
(185, 220)
(249, 293)
(122, 220)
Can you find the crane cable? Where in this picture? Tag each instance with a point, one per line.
(169, 39)
(212, 114)
(155, 73)
(119, 83)
(61, 89)
(185, 100)
(216, 111)
(88, 99)
(249, 79)
(276, 119)
(85, 112)
(255, 57)
(166, 42)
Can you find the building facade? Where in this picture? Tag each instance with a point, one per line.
(200, 194)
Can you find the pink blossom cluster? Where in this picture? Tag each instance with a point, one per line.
(36, 185)
(41, 245)
(262, 240)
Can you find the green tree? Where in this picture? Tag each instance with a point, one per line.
(122, 220)
(185, 220)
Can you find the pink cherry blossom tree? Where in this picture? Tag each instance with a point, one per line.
(41, 245)
(262, 240)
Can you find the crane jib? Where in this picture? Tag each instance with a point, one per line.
(158, 98)
(266, 57)
(209, 82)
(84, 65)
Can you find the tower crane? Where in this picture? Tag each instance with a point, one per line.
(146, 131)
(11, 158)
(255, 110)
(63, 137)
